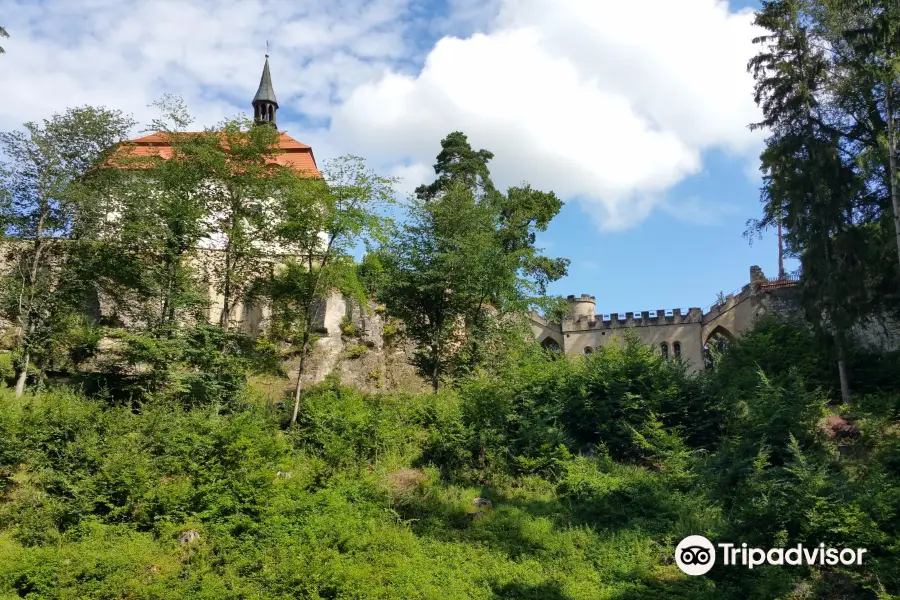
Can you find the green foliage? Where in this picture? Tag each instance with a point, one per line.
(593, 466)
(50, 198)
(355, 351)
(465, 254)
(348, 329)
(390, 332)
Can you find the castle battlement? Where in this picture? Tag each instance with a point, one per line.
(646, 318)
(675, 333)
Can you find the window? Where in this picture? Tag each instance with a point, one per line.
(588, 349)
(664, 348)
(676, 348)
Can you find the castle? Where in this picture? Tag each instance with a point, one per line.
(678, 335)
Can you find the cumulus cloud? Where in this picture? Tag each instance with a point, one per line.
(611, 103)
(606, 103)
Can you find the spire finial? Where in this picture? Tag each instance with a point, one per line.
(264, 103)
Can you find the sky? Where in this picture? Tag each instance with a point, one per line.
(635, 113)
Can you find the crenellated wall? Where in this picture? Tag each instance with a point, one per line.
(581, 330)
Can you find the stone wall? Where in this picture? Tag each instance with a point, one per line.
(581, 330)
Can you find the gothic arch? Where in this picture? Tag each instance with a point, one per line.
(719, 331)
(551, 344)
(718, 338)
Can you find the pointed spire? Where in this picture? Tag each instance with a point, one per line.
(266, 92)
(264, 103)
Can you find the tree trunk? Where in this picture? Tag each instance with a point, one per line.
(23, 376)
(299, 387)
(435, 368)
(892, 163)
(29, 324)
(225, 318)
(841, 346)
(164, 313)
(845, 384)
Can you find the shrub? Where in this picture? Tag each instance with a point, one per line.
(355, 351)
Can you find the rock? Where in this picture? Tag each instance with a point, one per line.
(368, 322)
(482, 503)
(284, 474)
(477, 515)
(189, 537)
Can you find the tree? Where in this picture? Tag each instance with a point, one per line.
(163, 218)
(3, 34)
(442, 267)
(523, 210)
(50, 186)
(319, 222)
(236, 164)
(467, 256)
(809, 179)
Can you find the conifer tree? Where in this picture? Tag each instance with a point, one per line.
(808, 178)
(467, 252)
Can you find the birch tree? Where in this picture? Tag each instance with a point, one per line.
(50, 188)
(321, 221)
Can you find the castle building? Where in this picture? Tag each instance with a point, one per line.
(677, 334)
(294, 154)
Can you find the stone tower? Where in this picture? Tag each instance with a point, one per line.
(265, 106)
(582, 307)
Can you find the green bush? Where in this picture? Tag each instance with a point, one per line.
(594, 468)
(348, 329)
(355, 351)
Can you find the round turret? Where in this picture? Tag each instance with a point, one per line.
(582, 307)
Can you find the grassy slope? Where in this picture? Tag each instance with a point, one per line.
(99, 497)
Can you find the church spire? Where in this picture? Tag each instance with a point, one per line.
(264, 104)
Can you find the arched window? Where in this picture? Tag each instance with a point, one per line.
(664, 348)
(588, 349)
(676, 349)
(551, 345)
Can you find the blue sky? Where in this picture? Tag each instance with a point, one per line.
(634, 113)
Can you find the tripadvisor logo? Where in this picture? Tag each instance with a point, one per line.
(696, 555)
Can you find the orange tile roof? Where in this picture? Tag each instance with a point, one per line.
(294, 155)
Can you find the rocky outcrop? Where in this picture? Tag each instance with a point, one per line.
(353, 346)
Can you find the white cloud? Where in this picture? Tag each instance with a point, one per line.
(125, 54)
(609, 103)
